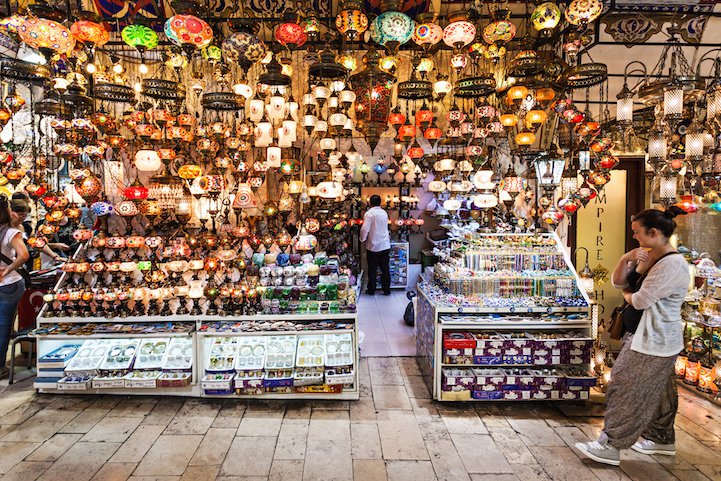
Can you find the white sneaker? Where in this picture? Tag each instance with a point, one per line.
(602, 453)
(646, 446)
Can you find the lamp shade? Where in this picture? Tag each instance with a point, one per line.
(243, 48)
(290, 34)
(499, 31)
(459, 33)
(549, 171)
(673, 101)
(372, 87)
(351, 23)
(580, 12)
(546, 16)
(392, 27)
(329, 190)
(188, 30)
(90, 32)
(44, 33)
(427, 34)
(147, 160)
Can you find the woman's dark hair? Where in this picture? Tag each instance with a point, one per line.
(661, 220)
(4, 211)
(19, 205)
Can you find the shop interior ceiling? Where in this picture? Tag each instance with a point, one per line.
(627, 31)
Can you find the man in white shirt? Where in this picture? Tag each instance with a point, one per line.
(374, 233)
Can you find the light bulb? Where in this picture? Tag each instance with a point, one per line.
(137, 87)
(117, 68)
(91, 68)
(143, 69)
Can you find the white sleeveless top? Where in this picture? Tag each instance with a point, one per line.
(8, 250)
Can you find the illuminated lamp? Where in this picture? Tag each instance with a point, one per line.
(508, 119)
(41, 33)
(525, 138)
(396, 118)
(188, 30)
(442, 86)
(433, 133)
(290, 34)
(392, 29)
(536, 117)
(351, 21)
(426, 33)
(135, 191)
(347, 60)
(459, 32)
(517, 93)
(424, 116)
(546, 17)
(89, 30)
(581, 12)
(147, 159)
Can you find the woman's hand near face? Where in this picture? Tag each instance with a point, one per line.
(639, 255)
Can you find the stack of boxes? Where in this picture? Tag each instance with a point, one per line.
(516, 366)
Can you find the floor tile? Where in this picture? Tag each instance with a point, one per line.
(112, 430)
(391, 397)
(13, 452)
(135, 407)
(169, 455)
(137, 445)
(286, 470)
(200, 473)
(27, 471)
(713, 472)
(230, 414)
(462, 420)
(369, 470)
(292, 441)
(535, 432)
(81, 462)
(469, 445)
(365, 441)
(195, 417)
(41, 426)
(410, 471)
(115, 472)
(446, 461)
(641, 467)
(54, 447)
(214, 446)
(260, 423)
(249, 456)
(400, 436)
(163, 412)
(511, 445)
(363, 411)
(328, 453)
(561, 463)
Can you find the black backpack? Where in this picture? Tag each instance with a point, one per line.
(409, 315)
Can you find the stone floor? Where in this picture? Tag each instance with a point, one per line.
(394, 432)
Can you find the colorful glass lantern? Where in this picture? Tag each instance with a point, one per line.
(392, 29)
(147, 160)
(188, 30)
(42, 33)
(424, 116)
(499, 31)
(244, 48)
(433, 133)
(102, 207)
(525, 138)
(508, 119)
(549, 172)
(290, 34)
(581, 12)
(546, 17)
(427, 34)
(459, 32)
(135, 191)
(372, 87)
(89, 30)
(351, 22)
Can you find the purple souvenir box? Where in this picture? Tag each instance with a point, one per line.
(458, 356)
(518, 380)
(523, 342)
(487, 395)
(515, 394)
(489, 379)
(518, 360)
(575, 393)
(484, 345)
(548, 381)
(491, 357)
(541, 394)
(580, 380)
(451, 378)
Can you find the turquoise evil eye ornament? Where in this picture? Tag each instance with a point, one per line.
(393, 27)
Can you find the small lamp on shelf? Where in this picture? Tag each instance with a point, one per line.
(586, 274)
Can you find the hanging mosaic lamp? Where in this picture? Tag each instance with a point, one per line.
(373, 88)
(245, 48)
(188, 30)
(391, 28)
(140, 37)
(351, 21)
(289, 33)
(42, 33)
(427, 33)
(89, 30)
(546, 17)
(500, 30)
(581, 12)
(459, 32)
